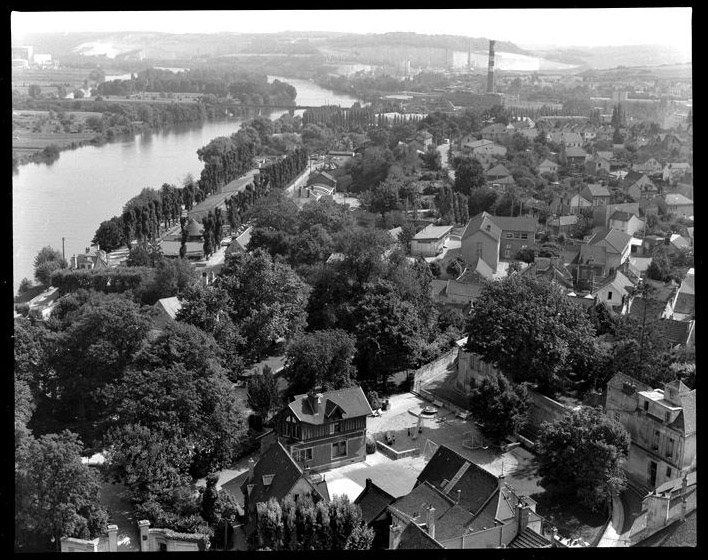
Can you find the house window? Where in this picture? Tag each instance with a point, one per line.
(609, 296)
(668, 472)
(507, 254)
(302, 455)
(524, 236)
(617, 416)
(517, 235)
(480, 248)
(670, 448)
(339, 449)
(646, 406)
(655, 441)
(335, 428)
(509, 235)
(667, 416)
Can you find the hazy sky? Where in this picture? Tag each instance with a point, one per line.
(563, 27)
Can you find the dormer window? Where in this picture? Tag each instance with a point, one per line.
(268, 479)
(646, 406)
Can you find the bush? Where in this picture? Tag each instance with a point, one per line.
(370, 444)
(374, 401)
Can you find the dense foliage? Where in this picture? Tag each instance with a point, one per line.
(500, 405)
(584, 451)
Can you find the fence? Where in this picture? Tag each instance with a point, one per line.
(433, 370)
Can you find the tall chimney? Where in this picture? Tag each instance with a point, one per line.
(490, 73)
(522, 515)
(430, 521)
(251, 465)
(315, 399)
(394, 535)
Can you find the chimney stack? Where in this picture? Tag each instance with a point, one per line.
(314, 399)
(522, 515)
(251, 466)
(459, 493)
(394, 535)
(430, 521)
(490, 72)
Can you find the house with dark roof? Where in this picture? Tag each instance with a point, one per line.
(551, 268)
(597, 165)
(502, 184)
(322, 431)
(639, 186)
(576, 156)
(495, 132)
(562, 224)
(481, 239)
(683, 305)
(277, 475)
(374, 502)
(617, 243)
(457, 504)
(595, 194)
(672, 172)
(322, 178)
(94, 258)
(586, 263)
(662, 427)
(677, 334)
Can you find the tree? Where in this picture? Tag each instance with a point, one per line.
(432, 158)
(311, 246)
(385, 197)
(56, 495)
(308, 525)
(660, 266)
(25, 285)
(469, 174)
(263, 395)
(46, 262)
(584, 452)
(267, 299)
(93, 351)
(110, 234)
(500, 405)
(529, 328)
(322, 360)
(387, 328)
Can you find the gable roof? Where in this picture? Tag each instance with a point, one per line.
(621, 216)
(275, 461)
(674, 332)
(373, 500)
(170, 305)
(677, 199)
(499, 169)
(588, 254)
(351, 400)
(618, 280)
(616, 239)
(482, 222)
(194, 228)
(415, 537)
(475, 484)
(548, 163)
(574, 151)
(597, 190)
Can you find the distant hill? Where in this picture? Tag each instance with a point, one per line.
(612, 57)
(170, 46)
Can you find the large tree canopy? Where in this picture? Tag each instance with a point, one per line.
(56, 495)
(531, 331)
(321, 359)
(267, 299)
(584, 451)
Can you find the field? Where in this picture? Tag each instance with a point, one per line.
(154, 97)
(35, 130)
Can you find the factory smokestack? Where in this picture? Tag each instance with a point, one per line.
(490, 73)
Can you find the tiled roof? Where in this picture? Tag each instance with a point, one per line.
(463, 289)
(528, 538)
(475, 485)
(452, 523)
(194, 228)
(675, 332)
(372, 501)
(482, 222)
(574, 151)
(423, 495)
(351, 400)
(499, 170)
(563, 221)
(591, 254)
(615, 238)
(619, 215)
(414, 537)
(275, 461)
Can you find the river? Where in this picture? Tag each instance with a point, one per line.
(69, 198)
